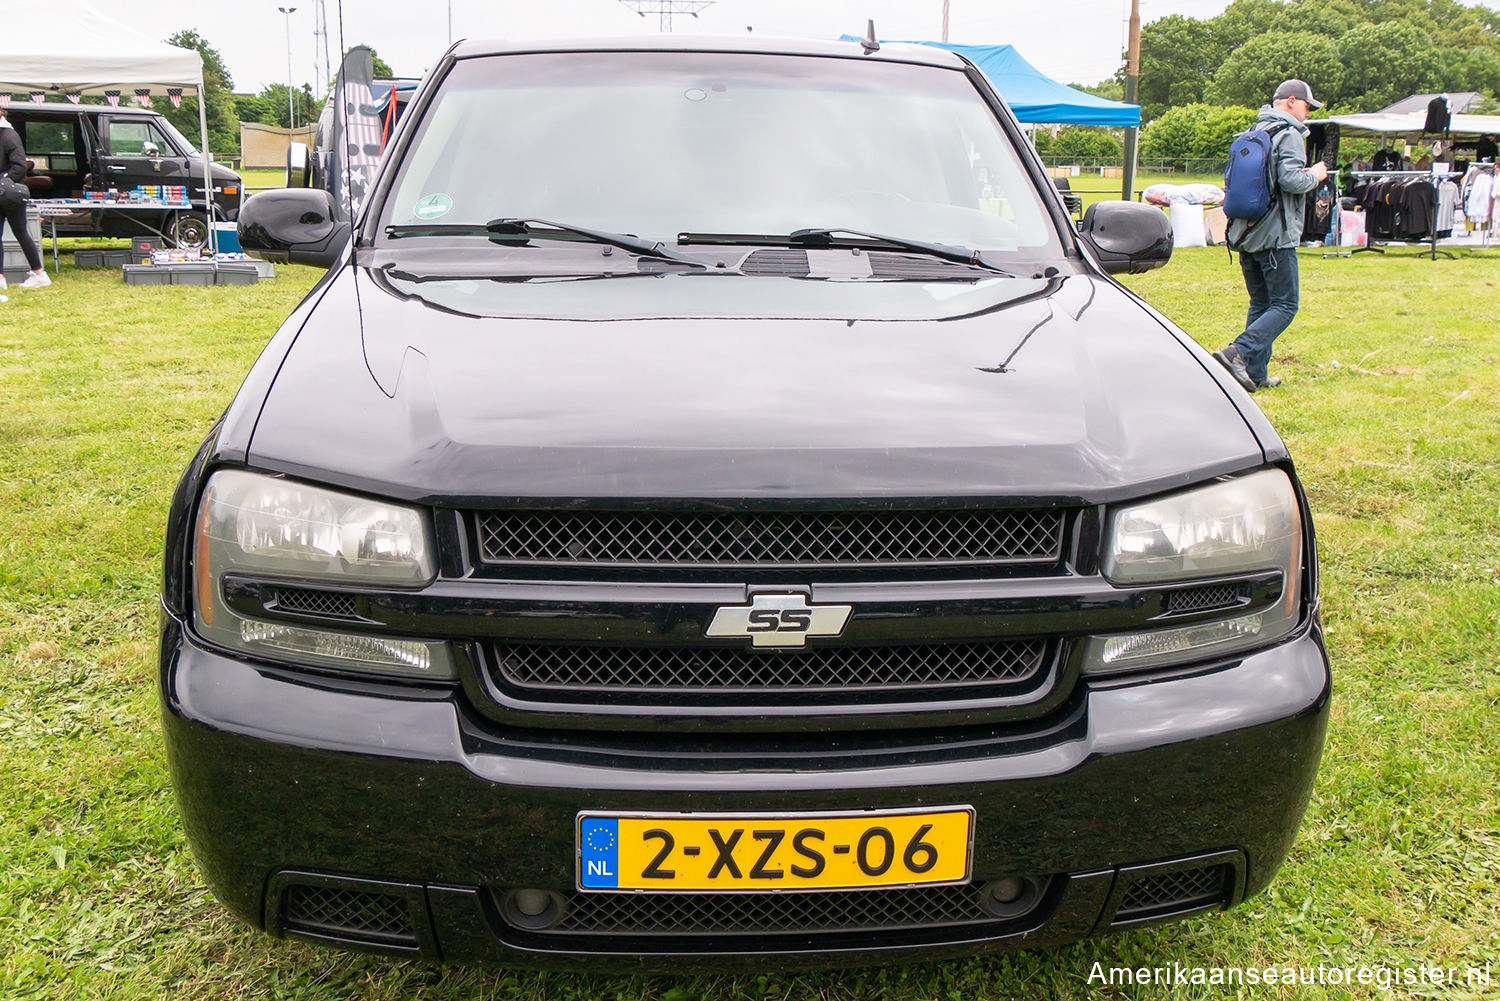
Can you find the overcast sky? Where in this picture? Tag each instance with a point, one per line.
(1076, 41)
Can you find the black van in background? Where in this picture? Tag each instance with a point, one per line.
(75, 148)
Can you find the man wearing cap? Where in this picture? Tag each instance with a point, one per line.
(1268, 246)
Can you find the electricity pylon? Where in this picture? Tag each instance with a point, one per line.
(666, 8)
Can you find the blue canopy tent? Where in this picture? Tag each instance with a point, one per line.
(1034, 96)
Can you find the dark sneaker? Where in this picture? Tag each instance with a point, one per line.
(1269, 382)
(1231, 359)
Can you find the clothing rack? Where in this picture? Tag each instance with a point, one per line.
(1435, 178)
(1485, 167)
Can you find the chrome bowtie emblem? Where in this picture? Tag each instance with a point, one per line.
(779, 620)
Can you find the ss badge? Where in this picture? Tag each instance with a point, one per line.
(779, 620)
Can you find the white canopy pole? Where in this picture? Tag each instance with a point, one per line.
(208, 178)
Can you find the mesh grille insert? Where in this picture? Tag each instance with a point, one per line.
(1198, 599)
(793, 538)
(771, 913)
(315, 602)
(784, 262)
(360, 914)
(1174, 890)
(665, 669)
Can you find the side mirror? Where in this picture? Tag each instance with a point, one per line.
(293, 225)
(298, 166)
(149, 148)
(1128, 237)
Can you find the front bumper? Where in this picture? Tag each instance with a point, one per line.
(286, 781)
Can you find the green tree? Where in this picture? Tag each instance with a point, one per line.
(1252, 72)
(1246, 19)
(1085, 141)
(1178, 57)
(1112, 89)
(274, 98)
(223, 123)
(1194, 131)
(1470, 69)
(1384, 63)
(253, 108)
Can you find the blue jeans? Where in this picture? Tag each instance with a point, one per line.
(1271, 280)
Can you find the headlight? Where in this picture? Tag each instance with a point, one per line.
(1246, 525)
(265, 526)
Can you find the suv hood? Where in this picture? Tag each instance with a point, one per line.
(1064, 388)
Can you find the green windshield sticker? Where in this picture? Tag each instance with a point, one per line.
(432, 206)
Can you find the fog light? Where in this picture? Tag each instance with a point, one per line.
(1006, 891)
(533, 910)
(532, 902)
(1011, 897)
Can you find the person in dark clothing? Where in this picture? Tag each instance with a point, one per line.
(1268, 246)
(13, 164)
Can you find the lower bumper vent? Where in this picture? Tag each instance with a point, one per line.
(1172, 889)
(651, 922)
(350, 915)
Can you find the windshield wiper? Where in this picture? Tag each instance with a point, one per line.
(852, 238)
(523, 230)
(434, 229)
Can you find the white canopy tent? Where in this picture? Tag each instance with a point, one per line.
(83, 51)
(1411, 124)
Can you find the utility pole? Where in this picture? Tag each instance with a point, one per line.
(1132, 91)
(291, 114)
(666, 8)
(945, 20)
(322, 71)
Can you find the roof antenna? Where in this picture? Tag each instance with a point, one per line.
(870, 43)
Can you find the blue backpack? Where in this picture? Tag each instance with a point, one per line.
(1250, 178)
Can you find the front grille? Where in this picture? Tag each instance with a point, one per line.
(706, 669)
(780, 538)
(1199, 599)
(1173, 891)
(648, 914)
(310, 601)
(356, 914)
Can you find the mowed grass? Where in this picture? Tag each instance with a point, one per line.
(106, 391)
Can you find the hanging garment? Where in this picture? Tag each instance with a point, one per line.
(1438, 115)
(1481, 194)
(1317, 221)
(1447, 208)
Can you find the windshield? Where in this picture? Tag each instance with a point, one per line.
(183, 142)
(661, 143)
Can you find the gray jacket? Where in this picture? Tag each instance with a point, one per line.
(1282, 226)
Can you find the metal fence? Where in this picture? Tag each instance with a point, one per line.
(1111, 167)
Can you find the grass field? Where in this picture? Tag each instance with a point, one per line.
(1391, 408)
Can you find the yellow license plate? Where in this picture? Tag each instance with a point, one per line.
(761, 852)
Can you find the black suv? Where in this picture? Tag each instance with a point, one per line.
(74, 149)
(717, 511)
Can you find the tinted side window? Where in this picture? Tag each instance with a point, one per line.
(130, 138)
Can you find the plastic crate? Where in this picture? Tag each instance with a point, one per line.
(191, 273)
(145, 274)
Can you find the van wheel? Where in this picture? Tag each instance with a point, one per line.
(188, 230)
